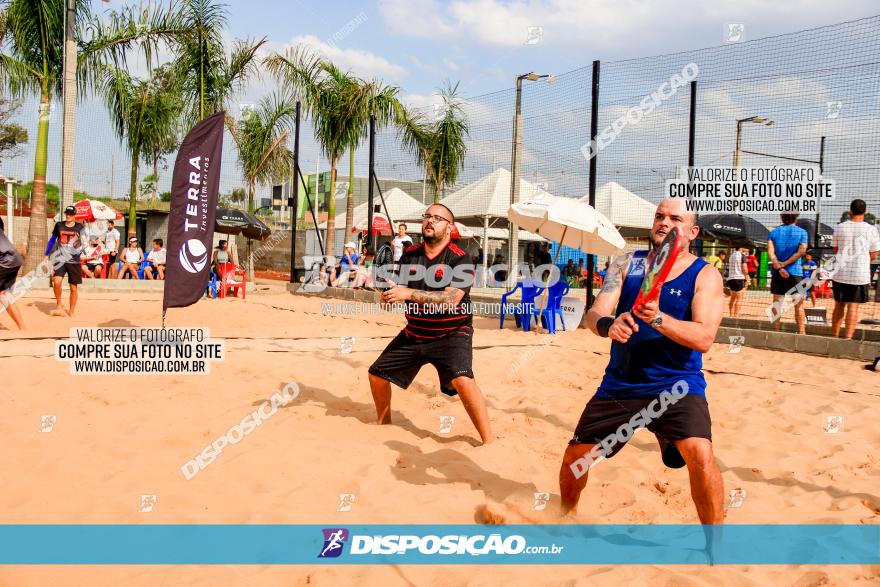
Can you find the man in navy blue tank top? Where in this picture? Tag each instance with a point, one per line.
(654, 377)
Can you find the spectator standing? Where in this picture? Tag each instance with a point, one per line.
(855, 243)
(111, 247)
(737, 280)
(786, 246)
(401, 241)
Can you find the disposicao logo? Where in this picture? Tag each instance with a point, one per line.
(193, 255)
(334, 540)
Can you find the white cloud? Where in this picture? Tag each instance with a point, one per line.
(600, 23)
(360, 62)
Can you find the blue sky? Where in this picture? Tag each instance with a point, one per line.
(416, 44)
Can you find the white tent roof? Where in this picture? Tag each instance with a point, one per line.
(622, 207)
(488, 196)
(400, 205)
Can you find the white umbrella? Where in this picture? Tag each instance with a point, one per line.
(569, 222)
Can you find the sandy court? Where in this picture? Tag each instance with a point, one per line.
(117, 438)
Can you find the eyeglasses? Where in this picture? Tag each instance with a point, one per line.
(435, 218)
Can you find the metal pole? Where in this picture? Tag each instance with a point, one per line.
(371, 236)
(68, 129)
(513, 234)
(594, 131)
(485, 249)
(294, 186)
(692, 132)
(736, 150)
(821, 170)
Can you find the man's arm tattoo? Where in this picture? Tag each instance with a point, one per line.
(434, 297)
(613, 278)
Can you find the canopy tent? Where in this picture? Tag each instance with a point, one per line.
(631, 214)
(401, 206)
(487, 197)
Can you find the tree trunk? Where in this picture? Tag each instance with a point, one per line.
(132, 196)
(331, 211)
(349, 200)
(37, 232)
(155, 179)
(250, 250)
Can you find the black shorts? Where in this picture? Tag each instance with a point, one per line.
(403, 358)
(111, 259)
(93, 266)
(686, 418)
(848, 293)
(779, 286)
(73, 271)
(736, 284)
(7, 278)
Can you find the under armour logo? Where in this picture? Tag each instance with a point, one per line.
(675, 292)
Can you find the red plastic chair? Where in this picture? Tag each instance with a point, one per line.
(232, 277)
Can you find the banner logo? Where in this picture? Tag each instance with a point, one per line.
(334, 540)
(193, 255)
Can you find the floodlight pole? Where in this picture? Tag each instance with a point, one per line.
(513, 240)
(68, 129)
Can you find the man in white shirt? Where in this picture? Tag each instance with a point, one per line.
(156, 260)
(855, 244)
(401, 241)
(111, 247)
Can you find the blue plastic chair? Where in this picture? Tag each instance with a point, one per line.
(211, 290)
(553, 310)
(528, 292)
(140, 271)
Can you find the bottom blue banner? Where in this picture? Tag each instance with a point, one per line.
(439, 544)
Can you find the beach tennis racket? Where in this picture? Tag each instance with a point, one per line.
(657, 269)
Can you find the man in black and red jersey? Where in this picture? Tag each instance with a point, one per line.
(434, 282)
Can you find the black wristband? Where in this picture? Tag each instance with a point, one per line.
(603, 325)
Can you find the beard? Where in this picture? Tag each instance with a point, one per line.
(434, 238)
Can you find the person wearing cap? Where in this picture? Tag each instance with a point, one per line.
(93, 258)
(65, 247)
(348, 263)
(132, 257)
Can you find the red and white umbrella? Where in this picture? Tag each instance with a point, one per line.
(459, 230)
(380, 225)
(92, 210)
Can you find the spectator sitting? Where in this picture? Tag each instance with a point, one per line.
(569, 270)
(132, 256)
(346, 265)
(222, 262)
(156, 260)
(93, 259)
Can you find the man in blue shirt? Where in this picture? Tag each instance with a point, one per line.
(808, 267)
(787, 245)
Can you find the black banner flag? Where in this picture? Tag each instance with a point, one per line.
(194, 189)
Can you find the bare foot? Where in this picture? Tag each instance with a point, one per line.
(383, 421)
(59, 311)
(484, 515)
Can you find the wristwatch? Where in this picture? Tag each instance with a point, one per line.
(656, 322)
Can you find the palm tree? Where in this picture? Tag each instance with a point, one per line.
(261, 137)
(368, 99)
(208, 76)
(31, 65)
(144, 115)
(439, 146)
(328, 96)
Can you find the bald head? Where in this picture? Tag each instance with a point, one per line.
(673, 213)
(677, 207)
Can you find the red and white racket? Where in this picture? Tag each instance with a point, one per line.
(658, 267)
